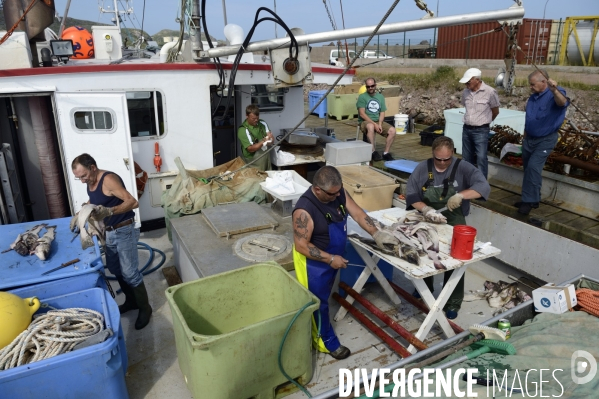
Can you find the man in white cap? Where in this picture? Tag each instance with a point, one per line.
(482, 107)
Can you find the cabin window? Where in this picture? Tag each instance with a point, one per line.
(93, 120)
(268, 98)
(146, 113)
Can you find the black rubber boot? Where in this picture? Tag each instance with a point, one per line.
(145, 310)
(129, 303)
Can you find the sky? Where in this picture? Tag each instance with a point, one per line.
(311, 15)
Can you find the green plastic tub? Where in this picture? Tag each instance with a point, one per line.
(342, 106)
(229, 327)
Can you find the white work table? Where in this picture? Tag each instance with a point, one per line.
(415, 273)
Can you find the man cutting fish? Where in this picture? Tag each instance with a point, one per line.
(319, 236)
(445, 181)
(114, 206)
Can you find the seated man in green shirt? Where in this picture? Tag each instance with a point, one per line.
(254, 136)
(371, 114)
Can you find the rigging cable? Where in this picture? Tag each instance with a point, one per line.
(323, 97)
(343, 21)
(293, 44)
(16, 25)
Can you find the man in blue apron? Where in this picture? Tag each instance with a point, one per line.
(320, 235)
(445, 181)
(115, 207)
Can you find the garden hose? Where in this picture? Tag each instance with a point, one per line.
(143, 271)
(297, 314)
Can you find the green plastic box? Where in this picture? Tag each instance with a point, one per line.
(229, 327)
(342, 106)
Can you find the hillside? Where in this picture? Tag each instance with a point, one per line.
(129, 35)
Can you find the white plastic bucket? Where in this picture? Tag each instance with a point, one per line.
(401, 123)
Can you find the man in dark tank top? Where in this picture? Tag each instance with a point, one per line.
(115, 207)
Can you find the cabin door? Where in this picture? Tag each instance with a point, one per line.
(97, 124)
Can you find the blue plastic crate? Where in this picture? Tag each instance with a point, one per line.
(19, 271)
(313, 97)
(403, 165)
(350, 274)
(93, 372)
(69, 285)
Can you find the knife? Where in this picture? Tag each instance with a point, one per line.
(442, 209)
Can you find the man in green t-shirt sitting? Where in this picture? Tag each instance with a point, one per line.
(254, 135)
(371, 114)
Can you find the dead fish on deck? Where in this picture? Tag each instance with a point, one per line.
(45, 243)
(27, 241)
(500, 295)
(94, 228)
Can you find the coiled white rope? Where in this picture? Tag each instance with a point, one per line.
(51, 334)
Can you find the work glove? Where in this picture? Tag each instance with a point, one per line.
(100, 213)
(74, 225)
(431, 215)
(454, 201)
(383, 237)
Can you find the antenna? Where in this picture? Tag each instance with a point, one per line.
(117, 13)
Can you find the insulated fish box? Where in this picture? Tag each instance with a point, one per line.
(92, 372)
(69, 285)
(18, 271)
(370, 189)
(229, 327)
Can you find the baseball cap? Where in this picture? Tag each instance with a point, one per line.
(470, 73)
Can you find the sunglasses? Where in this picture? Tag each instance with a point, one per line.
(371, 87)
(331, 194)
(442, 159)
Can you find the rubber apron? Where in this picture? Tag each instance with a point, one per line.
(437, 198)
(319, 278)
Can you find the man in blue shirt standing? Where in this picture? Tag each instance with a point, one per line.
(545, 113)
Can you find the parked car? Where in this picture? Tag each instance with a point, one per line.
(341, 55)
(375, 54)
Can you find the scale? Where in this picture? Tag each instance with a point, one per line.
(228, 237)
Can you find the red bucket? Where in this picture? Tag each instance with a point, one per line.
(462, 242)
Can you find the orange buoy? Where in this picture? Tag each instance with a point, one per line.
(83, 42)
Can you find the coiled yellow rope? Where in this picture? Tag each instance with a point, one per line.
(51, 334)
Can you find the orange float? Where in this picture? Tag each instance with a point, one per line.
(83, 42)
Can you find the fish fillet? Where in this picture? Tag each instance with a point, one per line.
(45, 243)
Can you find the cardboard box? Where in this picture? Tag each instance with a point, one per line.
(554, 299)
(392, 104)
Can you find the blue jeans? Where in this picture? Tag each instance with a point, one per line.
(121, 254)
(535, 151)
(475, 141)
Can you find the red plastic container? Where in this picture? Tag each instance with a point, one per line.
(462, 242)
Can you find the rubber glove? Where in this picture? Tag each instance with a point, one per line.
(431, 215)
(383, 237)
(100, 213)
(265, 145)
(454, 201)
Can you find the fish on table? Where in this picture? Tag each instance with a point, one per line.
(415, 239)
(44, 244)
(26, 242)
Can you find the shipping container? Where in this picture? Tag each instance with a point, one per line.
(533, 38)
(488, 41)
